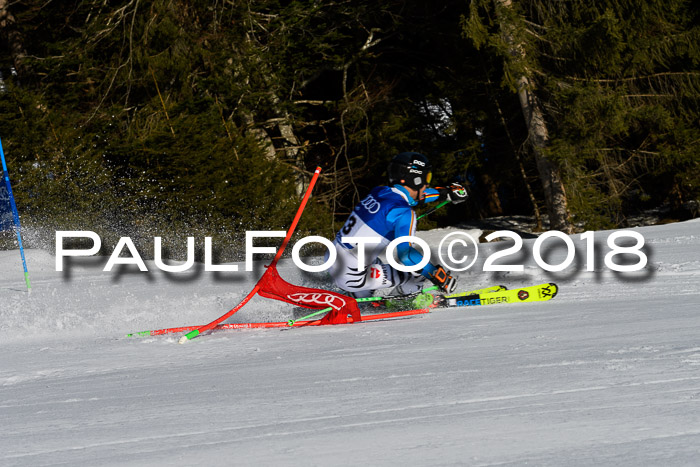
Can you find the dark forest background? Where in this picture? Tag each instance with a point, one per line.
(172, 118)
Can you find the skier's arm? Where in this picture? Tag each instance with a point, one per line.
(455, 193)
(405, 224)
(431, 195)
(404, 221)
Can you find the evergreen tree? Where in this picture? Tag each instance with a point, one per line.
(147, 116)
(619, 83)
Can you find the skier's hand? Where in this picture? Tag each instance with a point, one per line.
(442, 278)
(457, 193)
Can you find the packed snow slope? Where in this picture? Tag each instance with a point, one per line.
(607, 373)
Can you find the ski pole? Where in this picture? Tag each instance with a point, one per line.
(430, 211)
(291, 322)
(325, 310)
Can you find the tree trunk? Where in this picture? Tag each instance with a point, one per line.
(538, 135)
(261, 135)
(292, 145)
(12, 38)
(521, 166)
(294, 154)
(493, 202)
(284, 125)
(550, 175)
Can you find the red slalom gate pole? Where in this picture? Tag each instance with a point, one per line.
(293, 227)
(192, 334)
(279, 324)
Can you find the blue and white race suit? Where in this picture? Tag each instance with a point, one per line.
(386, 213)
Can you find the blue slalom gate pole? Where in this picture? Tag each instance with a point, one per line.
(15, 216)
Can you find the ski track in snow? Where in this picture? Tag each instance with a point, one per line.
(608, 373)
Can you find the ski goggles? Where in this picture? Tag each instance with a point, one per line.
(429, 178)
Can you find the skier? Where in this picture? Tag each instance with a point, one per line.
(388, 213)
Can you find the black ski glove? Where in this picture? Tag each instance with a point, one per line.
(442, 278)
(456, 193)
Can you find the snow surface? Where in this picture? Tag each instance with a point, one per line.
(608, 373)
